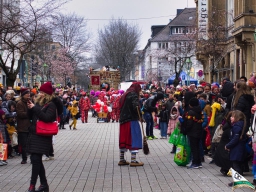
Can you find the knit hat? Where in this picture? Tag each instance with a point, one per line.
(24, 91)
(47, 88)
(193, 102)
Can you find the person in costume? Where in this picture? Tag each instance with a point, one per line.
(115, 106)
(130, 133)
(85, 106)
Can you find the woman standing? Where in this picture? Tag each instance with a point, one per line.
(45, 109)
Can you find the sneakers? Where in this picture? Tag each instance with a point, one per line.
(23, 162)
(124, 162)
(136, 163)
(150, 138)
(231, 184)
(45, 158)
(193, 166)
(3, 163)
(74, 128)
(154, 137)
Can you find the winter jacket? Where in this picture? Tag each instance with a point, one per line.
(47, 113)
(129, 111)
(193, 122)
(163, 116)
(244, 104)
(237, 145)
(150, 104)
(23, 121)
(173, 119)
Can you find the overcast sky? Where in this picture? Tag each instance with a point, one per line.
(158, 12)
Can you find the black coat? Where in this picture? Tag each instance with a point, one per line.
(41, 144)
(193, 127)
(244, 104)
(221, 156)
(129, 111)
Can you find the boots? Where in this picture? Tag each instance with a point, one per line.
(31, 188)
(43, 188)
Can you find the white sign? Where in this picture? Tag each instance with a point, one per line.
(202, 19)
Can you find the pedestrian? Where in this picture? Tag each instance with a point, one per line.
(85, 106)
(148, 108)
(163, 121)
(4, 134)
(193, 127)
(236, 145)
(74, 110)
(46, 108)
(23, 122)
(130, 137)
(173, 120)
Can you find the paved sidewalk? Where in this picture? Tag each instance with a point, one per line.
(86, 160)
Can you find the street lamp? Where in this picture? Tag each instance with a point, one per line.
(188, 65)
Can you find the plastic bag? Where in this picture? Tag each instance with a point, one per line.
(182, 155)
(14, 140)
(174, 138)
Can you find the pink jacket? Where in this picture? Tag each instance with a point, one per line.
(173, 121)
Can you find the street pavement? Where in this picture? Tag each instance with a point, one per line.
(86, 160)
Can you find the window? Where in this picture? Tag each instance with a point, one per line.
(166, 45)
(159, 45)
(53, 47)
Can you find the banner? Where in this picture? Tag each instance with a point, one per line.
(202, 19)
(239, 180)
(95, 80)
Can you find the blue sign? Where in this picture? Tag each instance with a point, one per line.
(183, 77)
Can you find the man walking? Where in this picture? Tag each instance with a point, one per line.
(23, 122)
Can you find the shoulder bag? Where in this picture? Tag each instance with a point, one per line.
(47, 128)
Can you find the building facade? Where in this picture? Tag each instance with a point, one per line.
(227, 46)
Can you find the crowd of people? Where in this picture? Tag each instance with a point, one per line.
(216, 118)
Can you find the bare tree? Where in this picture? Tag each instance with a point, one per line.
(72, 32)
(213, 46)
(23, 25)
(117, 43)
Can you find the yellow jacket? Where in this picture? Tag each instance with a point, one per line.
(10, 129)
(74, 110)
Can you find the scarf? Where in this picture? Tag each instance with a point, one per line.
(215, 106)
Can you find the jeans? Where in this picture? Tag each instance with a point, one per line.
(22, 139)
(37, 169)
(194, 144)
(149, 123)
(163, 129)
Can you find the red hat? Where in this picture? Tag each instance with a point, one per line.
(24, 91)
(47, 88)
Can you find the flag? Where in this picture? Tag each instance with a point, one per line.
(239, 180)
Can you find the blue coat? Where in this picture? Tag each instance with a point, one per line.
(237, 145)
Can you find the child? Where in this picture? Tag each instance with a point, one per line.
(174, 114)
(10, 123)
(74, 110)
(236, 146)
(163, 117)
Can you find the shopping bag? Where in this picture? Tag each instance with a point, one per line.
(14, 140)
(3, 151)
(178, 157)
(182, 155)
(174, 136)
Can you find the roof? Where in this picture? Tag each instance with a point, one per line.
(186, 18)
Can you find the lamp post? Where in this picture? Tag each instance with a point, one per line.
(188, 65)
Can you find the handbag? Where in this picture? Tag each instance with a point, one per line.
(14, 140)
(47, 129)
(3, 151)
